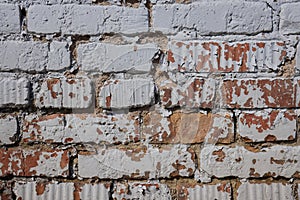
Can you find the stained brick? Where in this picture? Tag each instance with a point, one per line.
(214, 56)
(65, 93)
(267, 125)
(190, 93)
(188, 128)
(258, 93)
(224, 161)
(137, 162)
(120, 94)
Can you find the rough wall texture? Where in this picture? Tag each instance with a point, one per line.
(152, 99)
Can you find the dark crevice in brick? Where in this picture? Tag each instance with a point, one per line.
(111, 191)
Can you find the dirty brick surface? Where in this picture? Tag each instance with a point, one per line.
(153, 99)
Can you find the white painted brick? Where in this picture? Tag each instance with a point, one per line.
(10, 18)
(8, 129)
(215, 56)
(14, 91)
(81, 128)
(94, 191)
(224, 161)
(218, 191)
(108, 58)
(256, 191)
(66, 93)
(213, 17)
(43, 190)
(33, 56)
(141, 190)
(59, 56)
(76, 19)
(290, 18)
(148, 162)
(267, 125)
(127, 93)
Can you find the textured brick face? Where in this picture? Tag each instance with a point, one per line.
(153, 99)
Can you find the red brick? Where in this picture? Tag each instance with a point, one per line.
(258, 93)
(192, 93)
(188, 128)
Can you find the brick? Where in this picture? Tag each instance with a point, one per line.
(14, 91)
(76, 19)
(297, 98)
(92, 191)
(10, 18)
(289, 18)
(65, 93)
(26, 162)
(33, 56)
(189, 93)
(188, 128)
(214, 56)
(141, 190)
(6, 190)
(81, 128)
(224, 161)
(258, 93)
(43, 190)
(8, 129)
(137, 162)
(111, 58)
(253, 191)
(213, 17)
(267, 125)
(120, 94)
(194, 191)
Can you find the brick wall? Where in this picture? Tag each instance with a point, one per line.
(152, 99)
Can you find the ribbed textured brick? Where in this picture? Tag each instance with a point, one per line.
(223, 161)
(76, 19)
(188, 127)
(109, 58)
(213, 17)
(137, 162)
(258, 93)
(14, 91)
(120, 94)
(214, 56)
(10, 18)
(65, 93)
(267, 125)
(290, 18)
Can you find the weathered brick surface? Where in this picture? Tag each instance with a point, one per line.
(33, 56)
(188, 93)
(214, 56)
(110, 58)
(141, 190)
(137, 162)
(223, 161)
(5, 190)
(65, 93)
(213, 17)
(188, 128)
(76, 19)
(290, 18)
(10, 18)
(8, 129)
(120, 94)
(258, 93)
(276, 191)
(81, 128)
(14, 91)
(34, 162)
(267, 125)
